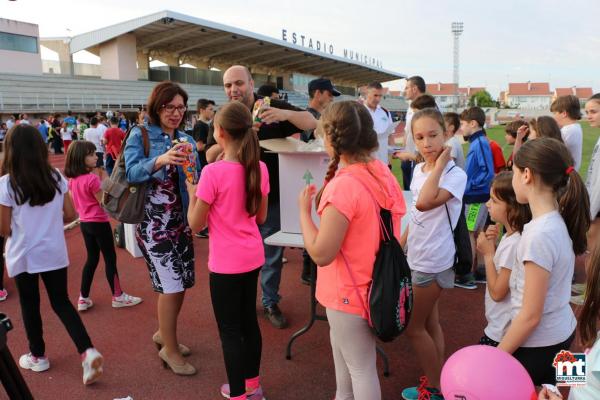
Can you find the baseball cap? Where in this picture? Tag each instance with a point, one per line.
(322, 84)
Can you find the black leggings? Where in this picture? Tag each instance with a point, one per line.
(98, 238)
(29, 296)
(234, 304)
(538, 360)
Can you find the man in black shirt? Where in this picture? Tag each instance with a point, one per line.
(280, 120)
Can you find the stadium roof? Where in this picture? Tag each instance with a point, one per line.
(188, 37)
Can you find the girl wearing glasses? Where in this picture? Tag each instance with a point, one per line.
(164, 235)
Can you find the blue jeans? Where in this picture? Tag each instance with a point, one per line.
(270, 275)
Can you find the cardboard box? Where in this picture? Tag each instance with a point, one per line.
(296, 167)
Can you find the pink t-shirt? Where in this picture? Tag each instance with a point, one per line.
(335, 288)
(235, 245)
(83, 190)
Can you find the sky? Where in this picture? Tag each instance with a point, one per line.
(503, 41)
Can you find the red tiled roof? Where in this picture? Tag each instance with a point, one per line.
(584, 92)
(581, 93)
(442, 89)
(529, 89)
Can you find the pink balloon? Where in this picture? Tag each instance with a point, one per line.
(485, 373)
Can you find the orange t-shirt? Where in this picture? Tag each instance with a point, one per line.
(335, 288)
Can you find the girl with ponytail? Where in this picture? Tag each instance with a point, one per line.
(232, 198)
(543, 322)
(357, 185)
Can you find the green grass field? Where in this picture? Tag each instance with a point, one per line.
(590, 136)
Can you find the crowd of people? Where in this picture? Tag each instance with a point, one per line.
(528, 218)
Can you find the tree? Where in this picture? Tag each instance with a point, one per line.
(482, 99)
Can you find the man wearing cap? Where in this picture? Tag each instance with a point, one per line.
(382, 120)
(321, 92)
(280, 120)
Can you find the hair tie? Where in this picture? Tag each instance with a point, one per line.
(569, 170)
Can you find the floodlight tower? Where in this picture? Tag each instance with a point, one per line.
(457, 30)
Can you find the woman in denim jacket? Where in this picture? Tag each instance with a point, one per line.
(164, 236)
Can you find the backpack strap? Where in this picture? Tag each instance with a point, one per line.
(448, 214)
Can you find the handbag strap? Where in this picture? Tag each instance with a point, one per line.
(145, 143)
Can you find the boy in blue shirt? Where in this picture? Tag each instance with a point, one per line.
(479, 167)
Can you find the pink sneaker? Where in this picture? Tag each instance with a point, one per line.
(125, 300)
(3, 294)
(36, 364)
(256, 394)
(84, 303)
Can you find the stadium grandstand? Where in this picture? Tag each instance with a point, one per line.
(193, 52)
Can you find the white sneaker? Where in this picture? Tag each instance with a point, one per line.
(125, 300)
(36, 364)
(84, 303)
(92, 366)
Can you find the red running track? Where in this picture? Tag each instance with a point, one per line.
(132, 366)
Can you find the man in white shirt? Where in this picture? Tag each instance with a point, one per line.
(567, 111)
(415, 86)
(382, 120)
(95, 135)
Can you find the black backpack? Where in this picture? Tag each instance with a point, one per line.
(389, 295)
(463, 258)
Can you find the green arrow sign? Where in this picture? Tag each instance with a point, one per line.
(307, 177)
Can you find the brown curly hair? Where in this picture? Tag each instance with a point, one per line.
(349, 128)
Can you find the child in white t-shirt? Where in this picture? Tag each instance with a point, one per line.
(33, 204)
(499, 262)
(543, 322)
(437, 189)
(566, 110)
(452, 121)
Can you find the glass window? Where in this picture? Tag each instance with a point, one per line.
(11, 41)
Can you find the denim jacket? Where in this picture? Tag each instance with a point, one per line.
(139, 168)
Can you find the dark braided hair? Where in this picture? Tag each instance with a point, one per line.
(349, 128)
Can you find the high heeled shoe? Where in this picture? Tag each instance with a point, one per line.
(183, 349)
(185, 369)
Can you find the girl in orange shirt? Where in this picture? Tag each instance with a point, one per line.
(349, 228)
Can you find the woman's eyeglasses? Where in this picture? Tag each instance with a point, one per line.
(170, 108)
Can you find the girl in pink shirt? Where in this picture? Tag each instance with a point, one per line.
(95, 224)
(349, 226)
(232, 197)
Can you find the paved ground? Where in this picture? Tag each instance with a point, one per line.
(133, 368)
